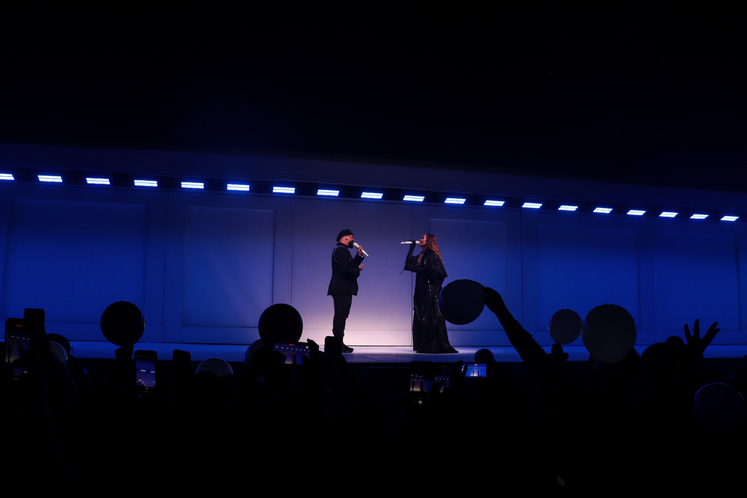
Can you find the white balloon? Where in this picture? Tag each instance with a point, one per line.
(565, 326)
(610, 333)
(462, 301)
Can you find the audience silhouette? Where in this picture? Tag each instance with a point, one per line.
(546, 424)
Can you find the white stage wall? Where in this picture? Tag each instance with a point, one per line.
(203, 265)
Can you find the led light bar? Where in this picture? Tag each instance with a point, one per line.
(197, 185)
(494, 203)
(146, 183)
(241, 187)
(97, 181)
(238, 187)
(50, 178)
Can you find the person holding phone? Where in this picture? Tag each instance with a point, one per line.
(428, 324)
(344, 282)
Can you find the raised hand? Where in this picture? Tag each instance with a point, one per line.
(694, 341)
(691, 358)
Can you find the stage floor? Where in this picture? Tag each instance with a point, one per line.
(362, 354)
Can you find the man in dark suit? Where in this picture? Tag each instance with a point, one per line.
(344, 282)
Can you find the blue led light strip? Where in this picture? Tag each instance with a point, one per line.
(309, 188)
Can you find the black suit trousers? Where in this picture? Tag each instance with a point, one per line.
(342, 310)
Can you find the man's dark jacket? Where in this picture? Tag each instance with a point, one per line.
(345, 272)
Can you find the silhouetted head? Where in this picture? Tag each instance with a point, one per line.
(61, 340)
(280, 323)
(221, 368)
(122, 323)
(718, 407)
(675, 345)
(484, 355)
(60, 346)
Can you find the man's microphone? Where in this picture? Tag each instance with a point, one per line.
(355, 244)
(411, 242)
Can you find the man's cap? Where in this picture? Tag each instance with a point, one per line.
(343, 233)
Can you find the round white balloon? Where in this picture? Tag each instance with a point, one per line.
(565, 326)
(609, 334)
(462, 301)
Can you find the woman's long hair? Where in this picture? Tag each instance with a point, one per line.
(432, 244)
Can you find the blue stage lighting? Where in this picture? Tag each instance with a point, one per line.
(636, 212)
(372, 195)
(237, 187)
(50, 178)
(494, 203)
(284, 190)
(197, 185)
(414, 198)
(668, 214)
(97, 181)
(454, 200)
(566, 207)
(698, 216)
(532, 205)
(146, 183)
(6, 176)
(729, 218)
(331, 193)
(603, 210)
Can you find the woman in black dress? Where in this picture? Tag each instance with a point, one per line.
(428, 325)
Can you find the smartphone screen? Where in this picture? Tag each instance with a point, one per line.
(17, 340)
(421, 382)
(476, 370)
(293, 354)
(145, 373)
(441, 376)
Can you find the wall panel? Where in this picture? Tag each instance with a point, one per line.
(74, 258)
(220, 266)
(580, 268)
(228, 266)
(699, 276)
(579, 262)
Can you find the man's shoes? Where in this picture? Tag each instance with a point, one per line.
(346, 349)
